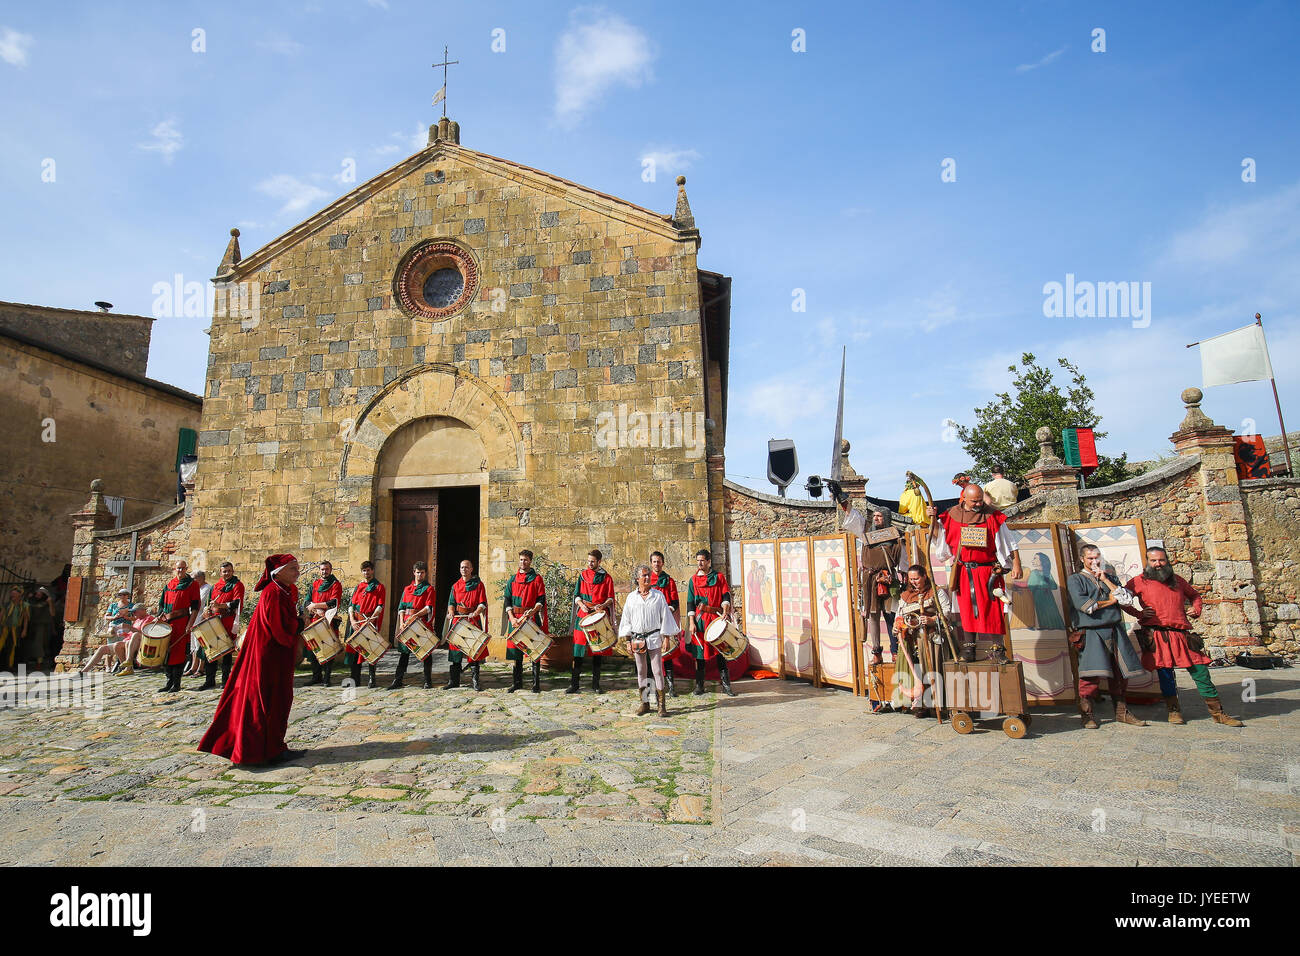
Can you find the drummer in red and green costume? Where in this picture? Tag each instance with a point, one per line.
(468, 598)
(227, 600)
(525, 598)
(668, 587)
(593, 592)
(707, 597)
(417, 600)
(326, 593)
(179, 606)
(367, 604)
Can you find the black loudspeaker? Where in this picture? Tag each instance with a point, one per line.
(782, 463)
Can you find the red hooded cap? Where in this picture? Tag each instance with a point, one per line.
(274, 562)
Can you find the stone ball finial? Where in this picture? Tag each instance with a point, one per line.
(235, 233)
(1192, 396)
(681, 180)
(1044, 434)
(97, 484)
(844, 446)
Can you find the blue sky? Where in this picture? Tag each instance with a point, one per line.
(816, 170)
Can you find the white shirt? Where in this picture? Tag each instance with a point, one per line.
(644, 614)
(1002, 543)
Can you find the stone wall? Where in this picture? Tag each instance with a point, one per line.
(585, 305)
(1273, 519)
(103, 426)
(751, 514)
(118, 340)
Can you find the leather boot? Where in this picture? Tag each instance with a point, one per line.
(699, 678)
(173, 678)
(1086, 713)
(225, 669)
(1175, 712)
(724, 676)
(453, 676)
(968, 652)
(517, 675)
(329, 672)
(316, 676)
(668, 679)
(998, 654)
(356, 673)
(428, 672)
(373, 682)
(1122, 716)
(474, 677)
(595, 675)
(663, 704)
(1216, 712)
(209, 676)
(402, 661)
(644, 707)
(537, 677)
(574, 674)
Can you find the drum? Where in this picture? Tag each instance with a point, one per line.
(156, 639)
(599, 629)
(214, 639)
(321, 640)
(368, 643)
(531, 639)
(468, 637)
(670, 644)
(417, 637)
(726, 639)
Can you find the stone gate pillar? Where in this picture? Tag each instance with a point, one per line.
(1055, 481)
(94, 516)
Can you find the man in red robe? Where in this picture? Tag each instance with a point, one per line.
(1164, 595)
(179, 606)
(525, 598)
(367, 605)
(468, 599)
(227, 600)
(253, 713)
(977, 542)
(326, 593)
(708, 597)
(668, 587)
(593, 592)
(417, 601)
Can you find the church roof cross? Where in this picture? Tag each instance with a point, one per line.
(441, 95)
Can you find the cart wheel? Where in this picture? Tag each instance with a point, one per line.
(1014, 727)
(1028, 719)
(962, 723)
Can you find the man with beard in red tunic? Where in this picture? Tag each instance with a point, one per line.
(661, 582)
(227, 600)
(326, 594)
(253, 714)
(468, 599)
(179, 606)
(708, 596)
(593, 592)
(525, 598)
(977, 542)
(366, 607)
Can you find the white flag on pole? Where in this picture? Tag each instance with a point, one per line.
(1238, 356)
(440, 95)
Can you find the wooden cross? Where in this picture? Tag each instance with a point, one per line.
(444, 64)
(131, 565)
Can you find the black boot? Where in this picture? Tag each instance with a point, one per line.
(573, 676)
(329, 671)
(517, 675)
(537, 677)
(724, 676)
(699, 678)
(316, 677)
(356, 673)
(428, 672)
(402, 661)
(225, 669)
(473, 677)
(373, 682)
(209, 676)
(453, 676)
(595, 675)
(668, 679)
(173, 679)
(968, 653)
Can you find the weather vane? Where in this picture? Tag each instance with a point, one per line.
(441, 95)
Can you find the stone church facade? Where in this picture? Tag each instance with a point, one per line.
(429, 363)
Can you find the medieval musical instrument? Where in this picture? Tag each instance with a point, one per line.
(531, 639)
(368, 643)
(670, 644)
(213, 638)
(320, 638)
(599, 629)
(154, 644)
(726, 638)
(417, 637)
(467, 637)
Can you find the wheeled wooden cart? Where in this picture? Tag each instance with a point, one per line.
(985, 691)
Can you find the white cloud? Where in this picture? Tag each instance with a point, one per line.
(782, 404)
(14, 46)
(670, 162)
(293, 192)
(377, 4)
(1026, 67)
(167, 140)
(597, 52)
(1229, 235)
(280, 45)
(418, 138)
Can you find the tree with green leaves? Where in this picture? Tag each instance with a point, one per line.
(1003, 433)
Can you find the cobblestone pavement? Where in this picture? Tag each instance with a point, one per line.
(783, 773)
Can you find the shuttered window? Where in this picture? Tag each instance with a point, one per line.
(187, 444)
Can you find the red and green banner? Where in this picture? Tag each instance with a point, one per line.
(1080, 449)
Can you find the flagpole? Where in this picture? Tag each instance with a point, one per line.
(1286, 445)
